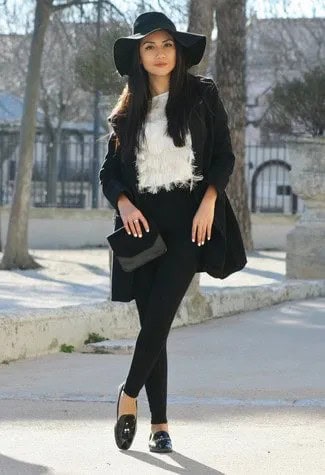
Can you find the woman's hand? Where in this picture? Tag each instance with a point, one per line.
(129, 213)
(203, 218)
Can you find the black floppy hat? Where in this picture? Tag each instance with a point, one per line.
(149, 22)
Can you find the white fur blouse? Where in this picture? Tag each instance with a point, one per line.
(160, 164)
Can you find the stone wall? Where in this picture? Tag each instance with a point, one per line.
(58, 228)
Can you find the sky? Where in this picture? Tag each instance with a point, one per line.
(280, 8)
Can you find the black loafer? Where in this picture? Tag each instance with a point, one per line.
(126, 426)
(160, 442)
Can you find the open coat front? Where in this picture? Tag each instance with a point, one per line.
(214, 159)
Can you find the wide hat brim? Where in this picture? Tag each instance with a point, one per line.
(123, 49)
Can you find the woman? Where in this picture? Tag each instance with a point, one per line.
(169, 158)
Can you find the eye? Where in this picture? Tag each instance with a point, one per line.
(169, 44)
(148, 47)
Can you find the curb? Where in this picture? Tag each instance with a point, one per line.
(110, 347)
(36, 332)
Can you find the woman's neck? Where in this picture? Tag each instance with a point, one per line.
(158, 85)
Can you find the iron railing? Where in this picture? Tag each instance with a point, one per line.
(267, 176)
(62, 175)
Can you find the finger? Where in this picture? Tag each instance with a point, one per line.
(203, 237)
(145, 223)
(132, 227)
(199, 235)
(209, 232)
(138, 227)
(194, 225)
(196, 233)
(127, 227)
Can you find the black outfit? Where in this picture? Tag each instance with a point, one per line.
(214, 158)
(159, 286)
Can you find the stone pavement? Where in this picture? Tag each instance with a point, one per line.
(246, 396)
(68, 298)
(81, 276)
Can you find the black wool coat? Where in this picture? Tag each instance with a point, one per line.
(224, 254)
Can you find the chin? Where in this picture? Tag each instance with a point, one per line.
(165, 72)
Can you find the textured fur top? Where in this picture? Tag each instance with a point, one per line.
(160, 164)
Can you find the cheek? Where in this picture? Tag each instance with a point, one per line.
(144, 59)
(148, 57)
(173, 56)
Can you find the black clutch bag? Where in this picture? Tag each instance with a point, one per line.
(132, 252)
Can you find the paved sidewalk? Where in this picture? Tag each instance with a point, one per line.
(81, 276)
(246, 396)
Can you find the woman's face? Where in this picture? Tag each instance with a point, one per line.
(158, 48)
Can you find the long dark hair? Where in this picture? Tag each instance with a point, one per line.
(134, 102)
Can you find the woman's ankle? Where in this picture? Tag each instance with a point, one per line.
(127, 397)
(157, 427)
(127, 405)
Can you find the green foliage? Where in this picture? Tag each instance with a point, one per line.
(66, 348)
(94, 65)
(94, 338)
(298, 106)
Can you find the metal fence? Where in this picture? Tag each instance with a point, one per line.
(63, 175)
(267, 176)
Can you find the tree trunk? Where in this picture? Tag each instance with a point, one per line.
(230, 65)
(201, 21)
(16, 249)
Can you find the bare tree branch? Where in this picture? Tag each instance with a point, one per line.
(77, 3)
(62, 6)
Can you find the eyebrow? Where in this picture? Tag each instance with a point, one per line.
(169, 39)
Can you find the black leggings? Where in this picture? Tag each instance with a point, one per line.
(159, 287)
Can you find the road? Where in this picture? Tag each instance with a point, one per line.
(246, 395)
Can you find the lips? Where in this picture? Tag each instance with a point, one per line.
(161, 64)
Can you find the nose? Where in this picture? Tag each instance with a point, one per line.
(161, 52)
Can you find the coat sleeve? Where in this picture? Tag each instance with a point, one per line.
(110, 175)
(223, 158)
